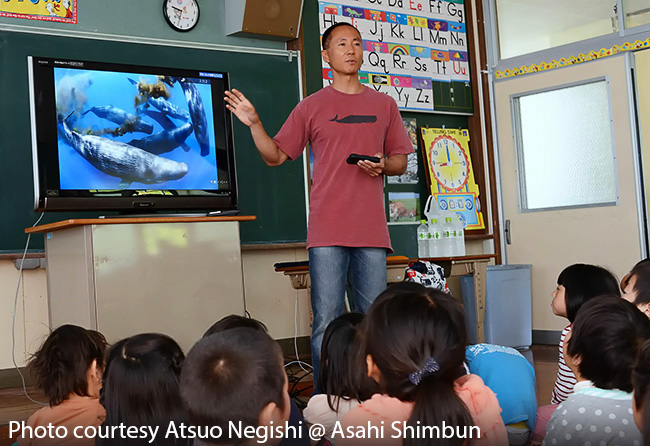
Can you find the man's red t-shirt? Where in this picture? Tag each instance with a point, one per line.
(346, 204)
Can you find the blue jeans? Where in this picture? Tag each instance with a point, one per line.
(330, 267)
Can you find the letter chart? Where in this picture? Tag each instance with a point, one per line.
(414, 50)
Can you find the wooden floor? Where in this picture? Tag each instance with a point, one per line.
(14, 406)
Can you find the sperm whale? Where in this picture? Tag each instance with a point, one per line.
(165, 141)
(169, 109)
(130, 164)
(197, 112)
(119, 116)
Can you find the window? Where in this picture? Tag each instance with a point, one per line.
(564, 146)
(637, 12)
(526, 26)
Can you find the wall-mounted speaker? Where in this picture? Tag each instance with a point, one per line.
(263, 18)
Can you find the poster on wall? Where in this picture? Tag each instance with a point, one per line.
(411, 174)
(451, 175)
(50, 10)
(403, 207)
(414, 50)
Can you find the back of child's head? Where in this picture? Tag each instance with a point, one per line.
(341, 372)
(640, 276)
(606, 337)
(142, 382)
(584, 282)
(235, 321)
(641, 383)
(60, 367)
(416, 338)
(232, 376)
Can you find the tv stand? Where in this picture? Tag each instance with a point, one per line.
(123, 276)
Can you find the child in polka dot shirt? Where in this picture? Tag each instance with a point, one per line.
(601, 350)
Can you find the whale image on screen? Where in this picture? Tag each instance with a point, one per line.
(131, 131)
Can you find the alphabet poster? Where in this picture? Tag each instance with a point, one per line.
(50, 10)
(414, 50)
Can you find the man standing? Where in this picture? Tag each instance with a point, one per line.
(347, 236)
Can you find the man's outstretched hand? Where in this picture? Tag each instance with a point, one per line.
(237, 103)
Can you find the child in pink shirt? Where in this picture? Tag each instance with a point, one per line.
(68, 369)
(414, 340)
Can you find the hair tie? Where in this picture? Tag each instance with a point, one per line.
(430, 367)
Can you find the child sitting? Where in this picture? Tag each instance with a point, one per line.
(236, 377)
(512, 378)
(600, 349)
(337, 377)
(636, 286)
(68, 369)
(141, 388)
(576, 285)
(295, 417)
(414, 340)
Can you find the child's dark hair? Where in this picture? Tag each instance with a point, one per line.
(327, 35)
(60, 366)
(223, 367)
(142, 384)
(584, 282)
(235, 321)
(641, 382)
(342, 366)
(607, 335)
(407, 328)
(641, 272)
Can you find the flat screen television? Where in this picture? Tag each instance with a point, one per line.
(109, 136)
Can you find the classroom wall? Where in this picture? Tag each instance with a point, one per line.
(145, 19)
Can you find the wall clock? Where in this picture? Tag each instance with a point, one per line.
(181, 15)
(449, 163)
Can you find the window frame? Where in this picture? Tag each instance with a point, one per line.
(522, 202)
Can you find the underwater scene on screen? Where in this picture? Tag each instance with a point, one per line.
(134, 131)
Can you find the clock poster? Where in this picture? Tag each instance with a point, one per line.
(451, 175)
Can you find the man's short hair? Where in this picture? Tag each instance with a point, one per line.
(327, 35)
(230, 377)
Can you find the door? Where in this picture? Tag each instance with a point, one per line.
(599, 225)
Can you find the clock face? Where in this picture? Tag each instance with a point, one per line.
(449, 163)
(182, 15)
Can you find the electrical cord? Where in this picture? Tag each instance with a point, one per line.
(13, 321)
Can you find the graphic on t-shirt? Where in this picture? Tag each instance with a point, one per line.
(355, 119)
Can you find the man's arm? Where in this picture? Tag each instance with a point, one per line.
(237, 103)
(393, 165)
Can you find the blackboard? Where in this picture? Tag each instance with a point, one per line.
(275, 195)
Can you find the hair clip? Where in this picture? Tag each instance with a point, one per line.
(430, 367)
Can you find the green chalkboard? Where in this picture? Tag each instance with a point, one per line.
(275, 195)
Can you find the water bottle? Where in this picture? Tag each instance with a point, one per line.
(447, 238)
(423, 239)
(435, 248)
(460, 236)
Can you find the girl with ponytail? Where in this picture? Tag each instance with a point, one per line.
(414, 340)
